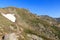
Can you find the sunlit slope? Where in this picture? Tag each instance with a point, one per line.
(28, 26)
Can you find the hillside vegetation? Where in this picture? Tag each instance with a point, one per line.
(29, 26)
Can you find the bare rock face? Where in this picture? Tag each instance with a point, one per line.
(11, 36)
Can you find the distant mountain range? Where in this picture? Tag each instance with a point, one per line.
(58, 19)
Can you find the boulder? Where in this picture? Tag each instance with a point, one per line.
(11, 36)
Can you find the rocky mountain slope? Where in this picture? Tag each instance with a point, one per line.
(28, 26)
(58, 19)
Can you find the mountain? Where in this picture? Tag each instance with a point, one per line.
(27, 26)
(58, 19)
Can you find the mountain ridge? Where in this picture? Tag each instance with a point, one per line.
(29, 26)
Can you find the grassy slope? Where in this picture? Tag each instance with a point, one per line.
(29, 22)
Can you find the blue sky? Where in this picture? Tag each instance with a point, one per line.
(39, 7)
